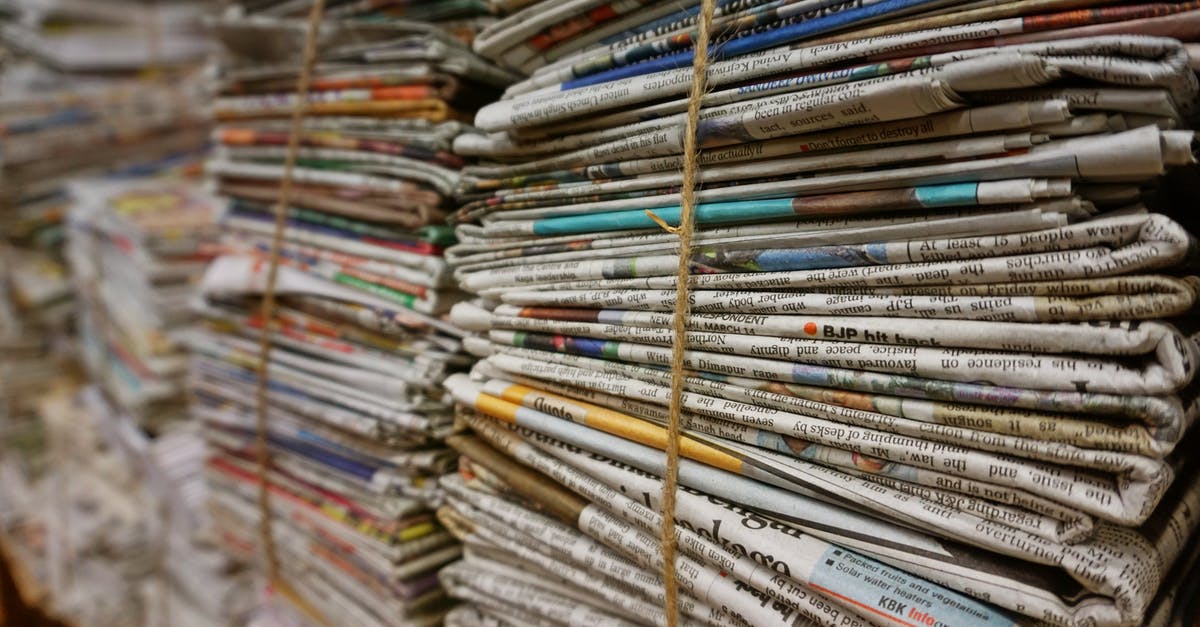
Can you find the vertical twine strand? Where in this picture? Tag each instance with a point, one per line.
(267, 313)
(679, 319)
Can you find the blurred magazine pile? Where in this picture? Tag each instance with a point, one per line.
(114, 525)
(137, 250)
(60, 120)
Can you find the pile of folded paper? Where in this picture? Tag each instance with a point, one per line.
(75, 36)
(75, 97)
(35, 311)
(461, 18)
(25, 442)
(47, 139)
(111, 526)
(938, 313)
(58, 129)
(97, 538)
(137, 249)
(190, 580)
(357, 415)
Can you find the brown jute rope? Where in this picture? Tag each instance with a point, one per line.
(682, 307)
(267, 313)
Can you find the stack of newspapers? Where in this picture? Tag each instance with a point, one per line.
(938, 361)
(111, 528)
(35, 314)
(48, 135)
(357, 414)
(137, 249)
(98, 544)
(54, 128)
(107, 35)
(461, 18)
(189, 581)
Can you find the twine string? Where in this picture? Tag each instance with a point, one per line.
(686, 226)
(679, 319)
(267, 311)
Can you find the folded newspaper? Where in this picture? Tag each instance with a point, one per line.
(357, 414)
(939, 331)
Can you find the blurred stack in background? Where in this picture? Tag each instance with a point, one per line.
(357, 416)
(137, 249)
(461, 19)
(112, 531)
(105, 482)
(81, 38)
(94, 95)
(87, 87)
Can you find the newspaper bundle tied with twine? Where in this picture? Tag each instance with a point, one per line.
(938, 361)
(318, 378)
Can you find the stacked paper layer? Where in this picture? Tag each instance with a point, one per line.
(35, 309)
(191, 581)
(138, 248)
(48, 134)
(108, 35)
(60, 129)
(357, 415)
(112, 525)
(938, 312)
(461, 18)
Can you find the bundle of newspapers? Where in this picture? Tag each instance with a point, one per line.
(55, 125)
(107, 35)
(190, 581)
(356, 414)
(53, 129)
(460, 18)
(46, 138)
(938, 344)
(137, 249)
(112, 529)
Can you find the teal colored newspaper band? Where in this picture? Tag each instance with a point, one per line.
(954, 195)
(927, 196)
(713, 213)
